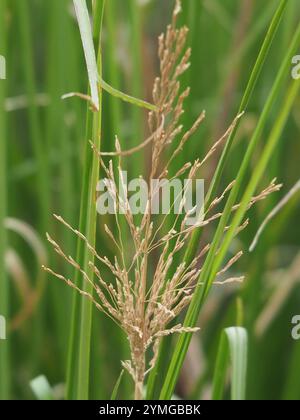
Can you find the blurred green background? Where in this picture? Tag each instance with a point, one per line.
(42, 140)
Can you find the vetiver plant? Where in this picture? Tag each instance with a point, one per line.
(144, 295)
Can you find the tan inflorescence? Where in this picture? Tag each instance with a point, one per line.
(145, 305)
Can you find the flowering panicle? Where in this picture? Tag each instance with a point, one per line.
(144, 305)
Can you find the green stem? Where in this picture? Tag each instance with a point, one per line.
(60, 143)
(78, 373)
(40, 153)
(39, 148)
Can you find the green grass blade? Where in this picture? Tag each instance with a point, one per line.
(248, 92)
(257, 29)
(234, 343)
(221, 367)
(282, 203)
(193, 244)
(261, 165)
(126, 98)
(80, 340)
(116, 387)
(212, 262)
(40, 150)
(259, 171)
(91, 61)
(4, 289)
(83, 18)
(60, 145)
(33, 114)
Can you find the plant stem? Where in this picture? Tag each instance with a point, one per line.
(140, 374)
(79, 357)
(60, 143)
(40, 153)
(39, 148)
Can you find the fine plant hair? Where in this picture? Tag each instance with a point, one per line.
(142, 298)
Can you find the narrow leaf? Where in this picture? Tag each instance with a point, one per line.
(261, 58)
(84, 23)
(234, 343)
(274, 212)
(116, 387)
(78, 371)
(126, 98)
